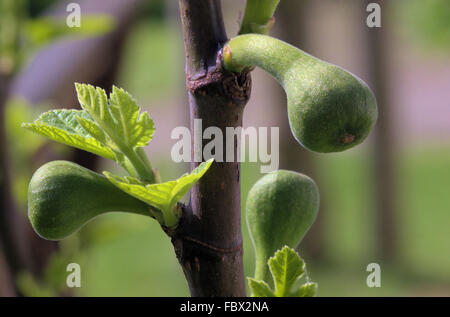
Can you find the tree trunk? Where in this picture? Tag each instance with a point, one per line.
(208, 240)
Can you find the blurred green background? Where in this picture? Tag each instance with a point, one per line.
(128, 255)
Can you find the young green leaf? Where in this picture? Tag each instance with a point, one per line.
(62, 126)
(119, 118)
(307, 290)
(96, 132)
(260, 288)
(113, 128)
(162, 196)
(287, 268)
(137, 130)
(117, 123)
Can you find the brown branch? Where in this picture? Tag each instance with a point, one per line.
(208, 240)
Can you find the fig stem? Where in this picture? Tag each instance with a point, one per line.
(142, 165)
(262, 272)
(258, 16)
(148, 166)
(273, 55)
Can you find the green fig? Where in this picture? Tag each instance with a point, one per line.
(329, 109)
(63, 196)
(280, 209)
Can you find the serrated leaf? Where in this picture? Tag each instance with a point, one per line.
(119, 118)
(163, 196)
(95, 131)
(62, 126)
(307, 290)
(137, 130)
(259, 288)
(117, 123)
(286, 268)
(112, 128)
(94, 101)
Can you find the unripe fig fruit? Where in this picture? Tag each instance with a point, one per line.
(63, 196)
(280, 209)
(330, 110)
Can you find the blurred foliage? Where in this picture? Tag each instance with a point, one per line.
(29, 287)
(128, 255)
(154, 10)
(53, 280)
(11, 16)
(21, 35)
(153, 61)
(36, 8)
(21, 153)
(424, 176)
(428, 22)
(43, 30)
(345, 180)
(18, 110)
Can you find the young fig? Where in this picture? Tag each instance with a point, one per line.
(329, 109)
(280, 209)
(63, 196)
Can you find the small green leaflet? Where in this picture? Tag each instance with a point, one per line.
(163, 196)
(119, 117)
(307, 290)
(62, 126)
(286, 268)
(260, 288)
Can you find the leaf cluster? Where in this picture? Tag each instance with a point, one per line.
(116, 129)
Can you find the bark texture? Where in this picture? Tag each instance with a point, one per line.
(208, 240)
